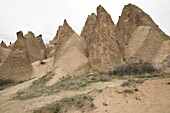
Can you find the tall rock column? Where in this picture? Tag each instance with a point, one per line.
(104, 44)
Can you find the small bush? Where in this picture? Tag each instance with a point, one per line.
(134, 69)
(128, 91)
(38, 87)
(130, 82)
(4, 82)
(66, 104)
(168, 83)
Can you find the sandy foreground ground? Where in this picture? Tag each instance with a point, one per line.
(153, 96)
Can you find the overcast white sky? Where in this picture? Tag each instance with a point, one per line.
(44, 16)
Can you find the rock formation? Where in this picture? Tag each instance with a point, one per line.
(17, 66)
(35, 49)
(11, 45)
(4, 53)
(70, 54)
(105, 51)
(3, 44)
(42, 46)
(144, 41)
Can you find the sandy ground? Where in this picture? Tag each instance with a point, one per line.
(27, 106)
(153, 97)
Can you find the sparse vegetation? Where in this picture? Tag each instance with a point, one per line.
(38, 87)
(130, 82)
(128, 91)
(6, 83)
(168, 83)
(134, 69)
(81, 102)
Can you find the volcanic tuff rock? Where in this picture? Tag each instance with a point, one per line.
(4, 52)
(35, 47)
(42, 46)
(3, 44)
(70, 53)
(11, 45)
(144, 41)
(17, 66)
(105, 51)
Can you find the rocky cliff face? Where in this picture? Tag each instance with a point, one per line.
(17, 66)
(105, 51)
(144, 41)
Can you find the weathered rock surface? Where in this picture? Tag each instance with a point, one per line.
(10, 46)
(4, 52)
(42, 46)
(144, 40)
(70, 54)
(33, 47)
(3, 44)
(104, 43)
(17, 66)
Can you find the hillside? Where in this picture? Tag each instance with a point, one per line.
(108, 68)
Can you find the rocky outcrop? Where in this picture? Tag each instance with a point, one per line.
(11, 45)
(3, 44)
(70, 53)
(42, 46)
(4, 53)
(17, 66)
(144, 40)
(105, 51)
(35, 47)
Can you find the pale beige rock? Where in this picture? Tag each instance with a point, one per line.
(50, 47)
(11, 46)
(144, 40)
(70, 54)
(42, 46)
(4, 53)
(33, 47)
(51, 54)
(17, 65)
(3, 44)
